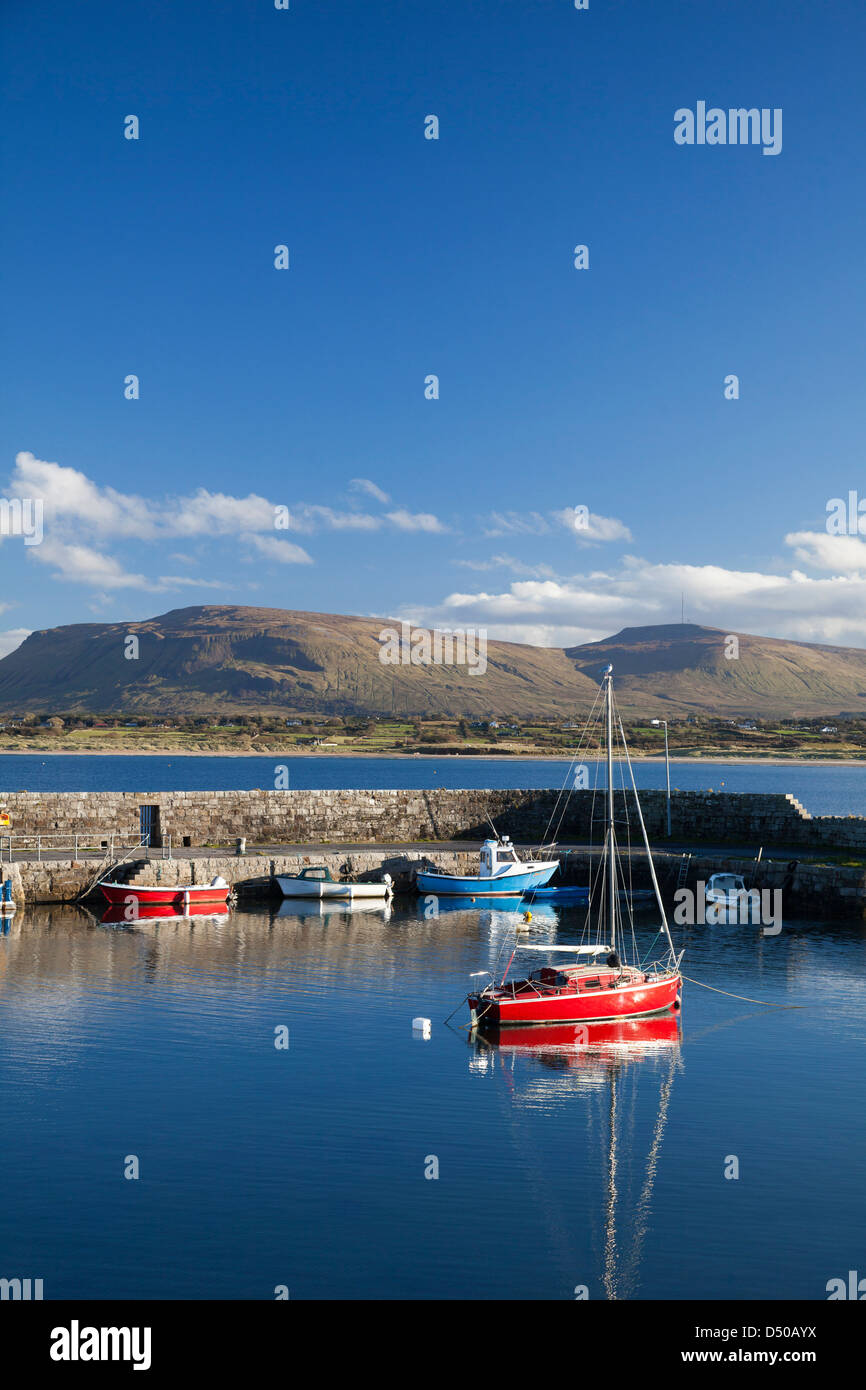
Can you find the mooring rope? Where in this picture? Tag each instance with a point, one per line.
(745, 997)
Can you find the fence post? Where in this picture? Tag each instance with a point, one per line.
(39, 849)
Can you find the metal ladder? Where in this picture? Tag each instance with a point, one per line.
(683, 871)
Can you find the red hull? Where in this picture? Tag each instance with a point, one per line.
(129, 896)
(576, 1006)
(154, 912)
(660, 1030)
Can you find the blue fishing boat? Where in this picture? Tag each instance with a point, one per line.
(501, 873)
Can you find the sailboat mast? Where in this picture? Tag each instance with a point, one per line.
(611, 860)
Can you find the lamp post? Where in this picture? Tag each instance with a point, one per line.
(657, 722)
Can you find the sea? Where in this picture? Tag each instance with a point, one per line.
(240, 1108)
(824, 789)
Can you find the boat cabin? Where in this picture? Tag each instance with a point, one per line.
(496, 855)
(600, 971)
(728, 884)
(317, 873)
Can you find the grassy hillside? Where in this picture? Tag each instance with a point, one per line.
(233, 660)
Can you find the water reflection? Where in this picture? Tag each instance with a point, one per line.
(614, 1071)
(140, 913)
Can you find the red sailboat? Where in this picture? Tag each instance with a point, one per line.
(597, 983)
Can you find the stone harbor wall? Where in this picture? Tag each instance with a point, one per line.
(217, 818)
(820, 890)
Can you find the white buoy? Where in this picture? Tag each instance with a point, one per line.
(421, 1026)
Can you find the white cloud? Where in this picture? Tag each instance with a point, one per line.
(215, 514)
(591, 528)
(308, 517)
(372, 490)
(509, 562)
(181, 581)
(70, 497)
(11, 639)
(587, 608)
(415, 521)
(80, 564)
(274, 549)
(515, 524)
(78, 512)
(819, 550)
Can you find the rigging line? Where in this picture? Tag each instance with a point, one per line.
(627, 881)
(593, 894)
(641, 1220)
(744, 997)
(574, 758)
(588, 729)
(551, 836)
(610, 1269)
(453, 1011)
(652, 869)
(652, 943)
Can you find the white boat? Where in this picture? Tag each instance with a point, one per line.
(724, 890)
(316, 882)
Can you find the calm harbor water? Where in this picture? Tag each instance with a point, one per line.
(559, 1165)
(823, 790)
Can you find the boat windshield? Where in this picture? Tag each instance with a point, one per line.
(727, 882)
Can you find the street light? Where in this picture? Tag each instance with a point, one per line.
(657, 722)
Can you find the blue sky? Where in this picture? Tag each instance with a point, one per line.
(601, 388)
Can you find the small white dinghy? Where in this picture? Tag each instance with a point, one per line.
(724, 890)
(316, 882)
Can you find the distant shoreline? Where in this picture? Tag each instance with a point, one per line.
(421, 757)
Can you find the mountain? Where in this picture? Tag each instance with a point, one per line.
(700, 670)
(233, 660)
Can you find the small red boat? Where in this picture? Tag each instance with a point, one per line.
(135, 898)
(597, 984)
